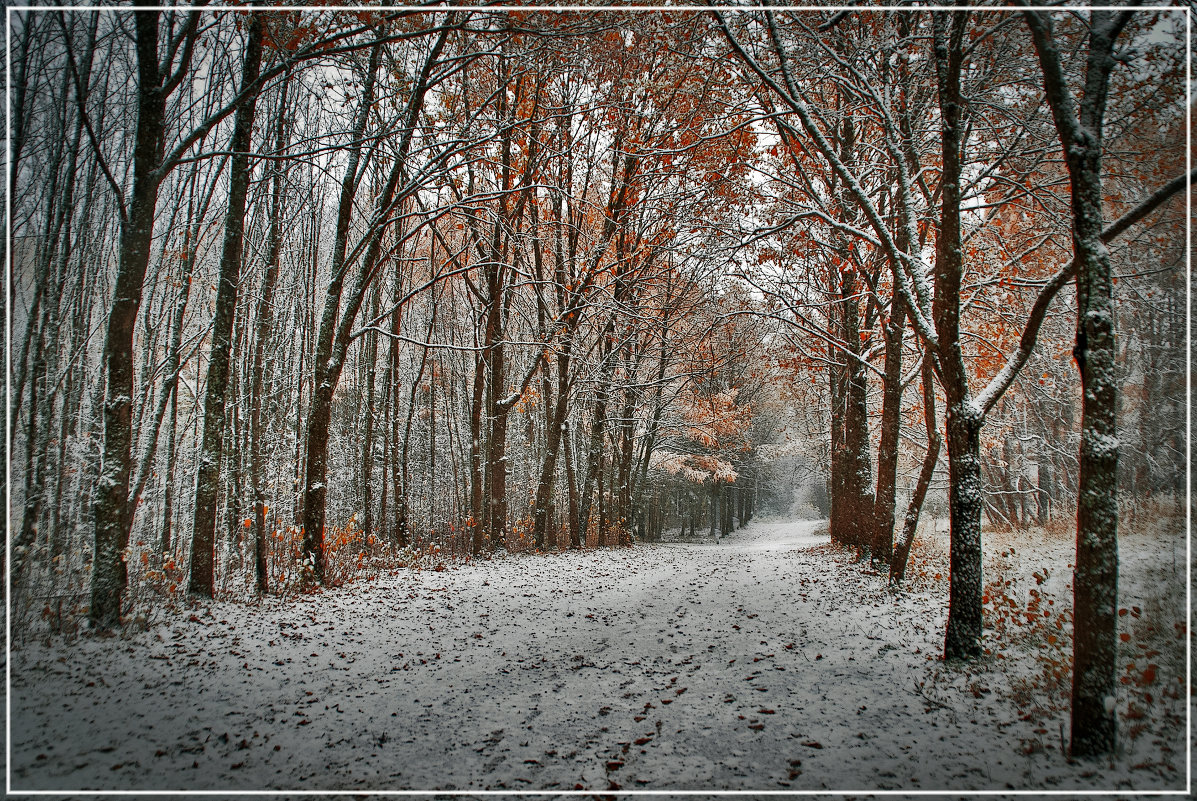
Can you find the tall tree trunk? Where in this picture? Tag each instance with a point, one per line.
(264, 316)
(369, 357)
(1095, 580)
(54, 272)
(403, 488)
(891, 423)
(207, 486)
(325, 370)
(111, 510)
(714, 507)
(622, 474)
(594, 457)
(728, 491)
(650, 436)
(854, 520)
(388, 421)
(852, 476)
(477, 476)
(857, 470)
(397, 478)
(495, 516)
(836, 483)
(434, 512)
(174, 367)
(554, 431)
(166, 541)
(964, 419)
(576, 534)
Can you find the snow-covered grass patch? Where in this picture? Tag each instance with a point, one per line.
(1028, 632)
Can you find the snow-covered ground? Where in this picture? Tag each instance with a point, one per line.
(767, 661)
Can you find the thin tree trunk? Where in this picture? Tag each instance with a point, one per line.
(477, 477)
(264, 315)
(403, 489)
(315, 439)
(901, 554)
(397, 477)
(576, 535)
(891, 422)
(203, 540)
(369, 358)
(554, 431)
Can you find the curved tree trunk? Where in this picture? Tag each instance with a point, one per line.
(901, 554)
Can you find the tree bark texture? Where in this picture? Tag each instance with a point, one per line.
(207, 484)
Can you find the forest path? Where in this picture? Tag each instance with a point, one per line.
(765, 661)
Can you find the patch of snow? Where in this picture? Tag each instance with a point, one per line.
(767, 661)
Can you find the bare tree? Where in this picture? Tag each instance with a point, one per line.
(202, 575)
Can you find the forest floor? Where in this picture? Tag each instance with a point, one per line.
(767, 661)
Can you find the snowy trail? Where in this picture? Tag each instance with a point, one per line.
(766, 661)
